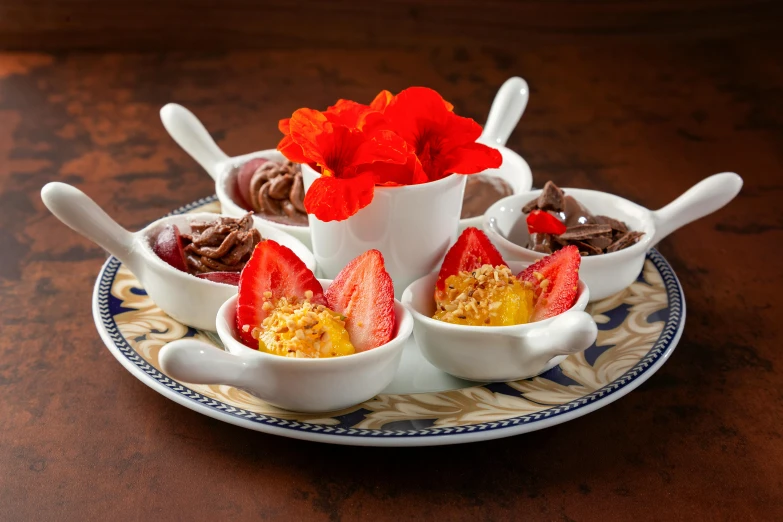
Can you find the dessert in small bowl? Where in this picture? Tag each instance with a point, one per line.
(264, 182)
(187, 263)
(612, 233)
(301, 343)
(476, 320)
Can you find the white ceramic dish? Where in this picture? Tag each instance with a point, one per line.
(303, 385)
(194, 139)
(423, 406)
(186, 298)
(607, 274)
(497, 353)
(185, 128)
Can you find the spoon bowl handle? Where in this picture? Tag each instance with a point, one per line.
(197, 362)
(506, 110)
(570, 332)
(704, 198)
(74, 208)
(193, 137)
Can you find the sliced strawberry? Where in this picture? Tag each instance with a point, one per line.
(228, 278)
(558, 294)
(364, 293)
(168, 247)
(244, 176)
(540, 222)
(272, 268)
(472, 249)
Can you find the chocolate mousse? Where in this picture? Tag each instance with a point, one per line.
(223, 245)
(273, 190)
(592, 234)
(481, 191)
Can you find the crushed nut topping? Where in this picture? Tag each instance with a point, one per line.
(477, 297)
(302, 329)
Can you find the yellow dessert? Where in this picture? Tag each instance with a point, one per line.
(488, 296)
(301, 329)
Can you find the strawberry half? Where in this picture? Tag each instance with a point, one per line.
(472, 249)
(272, 268)
(364, 293)
(561, 270)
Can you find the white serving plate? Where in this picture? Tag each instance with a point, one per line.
(638, 330)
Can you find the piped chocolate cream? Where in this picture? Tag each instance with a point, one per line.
(591, 234)
(481, 191)
(276, 191)
(223, 245)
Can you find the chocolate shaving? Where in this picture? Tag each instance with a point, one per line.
(628, 239)
(583, 232)
(600, 242)
(586, 249)
(614, 223)
(551, 197)
(530, 206)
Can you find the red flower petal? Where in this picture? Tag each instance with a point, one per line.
(423, 119)
(292, 150)
(348, 113)
(336, 199)
(284, 126)
(381, 101)
(470, 159)
(395, 174)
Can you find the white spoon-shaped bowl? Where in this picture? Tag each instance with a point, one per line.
(497, 353)
(608, 274)
(185, 297)
(194, 139)
(306, 385)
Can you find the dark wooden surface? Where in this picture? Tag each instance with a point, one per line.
(286, 24)
(82, 439)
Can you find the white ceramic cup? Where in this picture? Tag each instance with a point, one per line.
(185, 297)
(412, 226)
(608, 274)
(497, 353)
(194, 139)
(306, 385)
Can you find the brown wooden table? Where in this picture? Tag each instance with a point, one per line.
(82, 439)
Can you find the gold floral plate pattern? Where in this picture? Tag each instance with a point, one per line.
(638, 330)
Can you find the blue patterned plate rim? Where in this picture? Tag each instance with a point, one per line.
(152, 377)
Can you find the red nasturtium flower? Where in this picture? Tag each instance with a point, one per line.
(444, 142)
(344, 156)
(407, 139)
